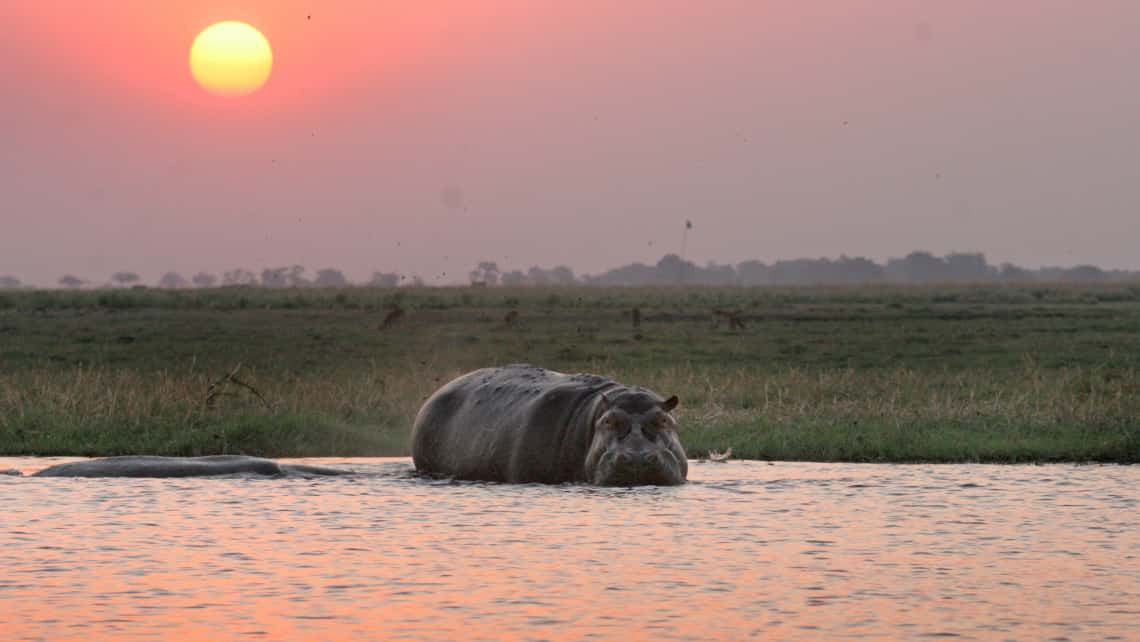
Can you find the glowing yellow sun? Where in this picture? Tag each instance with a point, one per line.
(231, 59)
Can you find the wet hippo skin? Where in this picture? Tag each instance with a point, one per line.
(147, 466)
(521, 423)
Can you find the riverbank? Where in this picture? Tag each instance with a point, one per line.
(938, 374)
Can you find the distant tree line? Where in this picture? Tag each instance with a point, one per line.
(916, 267)
(488, 273)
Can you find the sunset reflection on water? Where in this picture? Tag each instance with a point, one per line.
(748, 550)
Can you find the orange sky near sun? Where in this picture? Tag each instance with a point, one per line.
(330, 58)
(140, 47)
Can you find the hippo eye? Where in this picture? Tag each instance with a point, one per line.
(650, 431)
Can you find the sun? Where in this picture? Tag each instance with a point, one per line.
(231, 59)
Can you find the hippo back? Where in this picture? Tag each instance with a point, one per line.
(158, 467)
(517, 423)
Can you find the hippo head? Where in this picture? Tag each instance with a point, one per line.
(635, 442)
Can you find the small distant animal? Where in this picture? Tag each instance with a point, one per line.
(720, 458)
(635, 317)
(732, 316)
(392, 318)
(511, 319)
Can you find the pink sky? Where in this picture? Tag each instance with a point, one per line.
(424, 136)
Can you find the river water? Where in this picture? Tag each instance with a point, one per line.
(747, 550)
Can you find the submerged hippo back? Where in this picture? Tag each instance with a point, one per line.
(150, 466)
(516, 423)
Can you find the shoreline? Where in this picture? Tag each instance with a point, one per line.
(937, 374)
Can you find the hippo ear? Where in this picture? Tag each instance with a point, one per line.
(671, 403)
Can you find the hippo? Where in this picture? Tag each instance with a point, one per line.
(524, 424)
(146, 466)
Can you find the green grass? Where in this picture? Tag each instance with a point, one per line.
(903, 373)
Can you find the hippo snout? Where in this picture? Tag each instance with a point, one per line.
(650, 467)
(637, 461)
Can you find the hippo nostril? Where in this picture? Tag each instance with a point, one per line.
(634, 460)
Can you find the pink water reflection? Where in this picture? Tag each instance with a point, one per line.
(791, 551)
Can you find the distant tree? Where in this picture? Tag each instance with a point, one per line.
(562, 275)
(513, 278)
(384, 280)
(968, 267)
(824, 271)
(71, 282)
(1085, 273)
(752, 272)
(537, 276)
(125, 279)
(632, 274)
(173, 281)
(239, 276)
(10, 283)
(330, 278)
(284, 277)
(275, 277)
(295, 277)
(204, 280)
(673, 269)
(800, 272)
(1011, 272)
(716, 274)
(856, 270)
(487, 272)
(918, 267)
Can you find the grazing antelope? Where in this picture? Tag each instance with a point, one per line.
(392, 318)
(732, 316)
(511, 319)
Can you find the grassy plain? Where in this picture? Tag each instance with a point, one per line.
(886, 373)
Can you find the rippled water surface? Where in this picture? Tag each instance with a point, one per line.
(747, 550)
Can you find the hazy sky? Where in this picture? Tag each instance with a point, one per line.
(425, 135)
